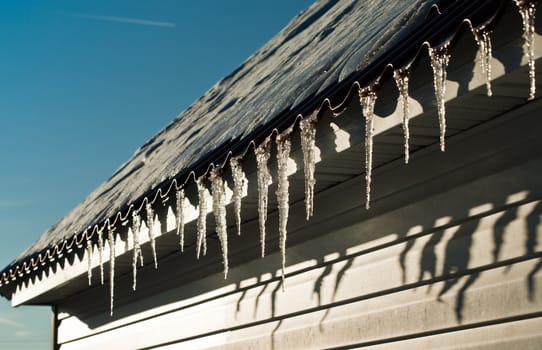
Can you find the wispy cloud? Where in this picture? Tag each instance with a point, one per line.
(126, 20)
(8, 322)
(23, 334)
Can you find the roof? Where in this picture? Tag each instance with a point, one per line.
(312, 62)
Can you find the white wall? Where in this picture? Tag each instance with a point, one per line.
(448, 257)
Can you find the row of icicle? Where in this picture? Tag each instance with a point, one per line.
(218, 195)
(439, 57)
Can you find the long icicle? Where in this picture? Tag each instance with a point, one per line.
(402, 77)
(100, 255)
(284, 143)
(236, 166)
(150, 224)
(440, 57)
(180, 217)
(527, 9)
(111, 239)
(89, 261)
(483, 38)
(263, 152)
(202, 218)
(219, 211)
(137, 254)
(368, 100)
(308, 141)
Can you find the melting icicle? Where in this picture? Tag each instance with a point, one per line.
(308, 140)
(219, 211)
(283, 153)
(401, 77)
(440, 57)
(89, 260)
(238, 182)
(150, 224)
(111, 239)
(368, 100)
(263, 152)
(527, 9)
(180, 217)
(101, 251)
(483, 39)
(202, 218)
(137, 254)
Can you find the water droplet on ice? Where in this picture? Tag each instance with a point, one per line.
(308, 140)
(440, 57)
(368, 100)
(401, 77)
(263, 152)
(283, 153)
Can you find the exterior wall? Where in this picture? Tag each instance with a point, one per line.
(449, 256)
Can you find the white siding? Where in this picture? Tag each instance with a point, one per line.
(449, 257)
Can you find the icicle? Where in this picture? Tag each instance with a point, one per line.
(308, 139)
(401, 80)
(527, 9)
(137, 254)
(219, 211)
(180, 217)
(368, 100)
(89, 261)
(101, 258)
(263, 152)
(150, 224)
(483, 39)
(283, 153)
(440, 57)
(202, 218)
(111, 238)
(238, 182)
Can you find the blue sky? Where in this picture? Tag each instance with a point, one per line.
(83, 84)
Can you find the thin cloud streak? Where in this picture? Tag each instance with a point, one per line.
(23, 334)
(8, 322)
(122, 20)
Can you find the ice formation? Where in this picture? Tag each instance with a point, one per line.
(89, 261)
(368, 100)
(440, 57)
(263, 152)
(401, 77)
(100, 255)
(483, 38)
(180, 217)
(238, 183)
(219, 211)
(137, 254)
(111, 239)
(202, 218)
(527, 9)
(308, 140)
(150, 225)
(284, 143)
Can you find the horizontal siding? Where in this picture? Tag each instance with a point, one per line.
(463, 260)
(369, 285)
(392, 317)
(523, 334)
